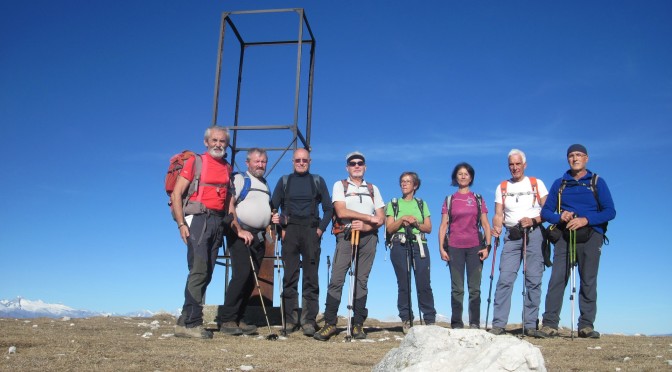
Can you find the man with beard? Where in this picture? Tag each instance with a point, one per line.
(297, 195)
(254, 214)
(359, 205)
(201, 222)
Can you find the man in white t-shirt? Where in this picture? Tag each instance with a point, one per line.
(518, 203)
(359, 206)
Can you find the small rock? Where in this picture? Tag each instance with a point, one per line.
(147, 335)
(249, 356)
(246, 368)
(626, 359)
(12, 350)
(65, 319)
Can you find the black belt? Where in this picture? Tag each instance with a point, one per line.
(250, 228)
(215, 212)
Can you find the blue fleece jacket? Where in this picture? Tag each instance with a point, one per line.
(578, 198)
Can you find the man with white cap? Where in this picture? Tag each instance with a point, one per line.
(358, 207)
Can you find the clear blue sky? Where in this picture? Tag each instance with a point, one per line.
(97, 95)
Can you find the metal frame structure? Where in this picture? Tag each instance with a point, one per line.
(298, 135)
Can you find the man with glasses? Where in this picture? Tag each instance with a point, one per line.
(358, 206)
(297, 196)
(579, 202)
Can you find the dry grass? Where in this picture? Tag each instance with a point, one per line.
(113, 344)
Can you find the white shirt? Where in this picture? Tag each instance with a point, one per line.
(520, 201)
(357, 198)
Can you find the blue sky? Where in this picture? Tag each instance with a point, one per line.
(97, 95)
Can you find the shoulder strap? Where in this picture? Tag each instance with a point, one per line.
(316, 181)
(247, 184)
(593, 188)
(449, 206)
(502, 186)
(421, 208)
(535, 190)
(479, 202)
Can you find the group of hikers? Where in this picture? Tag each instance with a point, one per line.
(210, 203)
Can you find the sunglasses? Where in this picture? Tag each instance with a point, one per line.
(356, 163)
(298, 161)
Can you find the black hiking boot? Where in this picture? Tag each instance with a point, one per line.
(406, 327)
(325, 333)
(358, 332)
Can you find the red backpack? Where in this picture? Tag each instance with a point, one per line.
(176, 164)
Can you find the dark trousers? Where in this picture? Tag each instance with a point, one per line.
(301, 249)
(459, 259)
(205, 238)
(406, 257)
(588, 258)
(242, 281)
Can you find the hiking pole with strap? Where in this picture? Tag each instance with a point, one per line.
(351, 295)
(525, 237)
(572, 273)
(271, 336)
(492, 275)
(281, 287)
(409, 252)
(416, 288)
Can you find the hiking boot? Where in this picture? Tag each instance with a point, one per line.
(497, 331)
(535, 333)
(291, 328)
(406, 327)
(308, 330)
(358, 332)
(231, 329)
(549, 331)
(325, 333)
(194, 332)
(247, 329)
(474, 326)
(588, 332)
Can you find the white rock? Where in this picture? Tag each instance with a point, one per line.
(147, 335)
(12, 350)
(249, 355)
(626, 359)
(433, 348)
(246, 368)
(65, 319)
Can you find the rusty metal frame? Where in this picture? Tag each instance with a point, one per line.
(297, 134)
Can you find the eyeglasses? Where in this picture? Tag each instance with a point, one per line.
(403, 182)
(356, 163)
(298, 161)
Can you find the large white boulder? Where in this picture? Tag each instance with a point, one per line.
(433, 348)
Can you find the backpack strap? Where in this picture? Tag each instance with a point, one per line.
(535, 189)
(395, 207)
(479, 205)
(421, 206)
(247, 187)
(503, 187)
(369, 187)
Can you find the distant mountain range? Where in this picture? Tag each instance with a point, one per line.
(23, 308)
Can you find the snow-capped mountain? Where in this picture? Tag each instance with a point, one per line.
(23, 308)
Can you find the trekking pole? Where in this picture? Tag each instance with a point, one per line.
(525, 232)
(416, 288)
(409, 249)
(492, 275)
(328, 269)
(572, 262)
(271, 336)
(351, 294)
(281, 288)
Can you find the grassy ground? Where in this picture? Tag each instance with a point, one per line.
(147, 344)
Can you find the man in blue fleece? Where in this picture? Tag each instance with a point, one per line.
(580, 203)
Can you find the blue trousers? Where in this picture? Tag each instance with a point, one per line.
(509, 265)
(406, 257)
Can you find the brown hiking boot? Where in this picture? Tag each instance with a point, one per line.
(497, 331)
(194, 332)
(358, 332)
(231, 329)
(549, 331)
(588, 332)
(406, 327)
(247, 329)
(325, 333)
